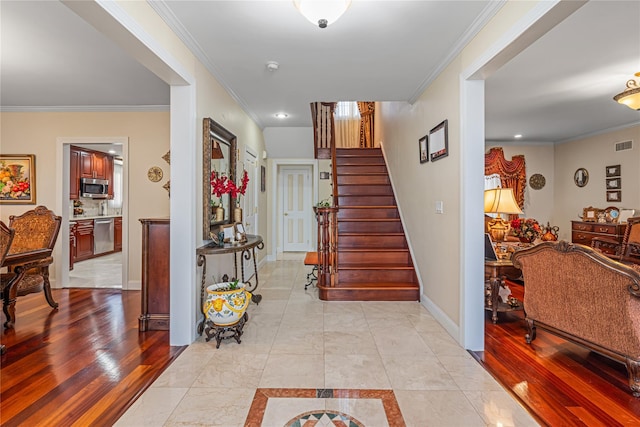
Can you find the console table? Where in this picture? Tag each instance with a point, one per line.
(246, 250)
(496, 281)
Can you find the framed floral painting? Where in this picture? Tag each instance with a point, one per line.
(17, 179)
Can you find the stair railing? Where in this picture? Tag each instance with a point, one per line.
(327, 245)
(323, 128)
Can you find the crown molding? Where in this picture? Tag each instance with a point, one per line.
(83, 108)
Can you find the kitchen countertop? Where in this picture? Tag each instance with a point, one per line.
(81, 217)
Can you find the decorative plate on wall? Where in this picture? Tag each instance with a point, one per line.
(537, 181)
(154, 174)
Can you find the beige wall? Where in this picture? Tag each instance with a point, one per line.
(435, 239)
(148, 133)
(594, 154)
(539, 158)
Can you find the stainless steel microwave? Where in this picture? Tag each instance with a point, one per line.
(94, 188)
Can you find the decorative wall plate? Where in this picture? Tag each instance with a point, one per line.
(537, 181)
(154, 174)
(611, 214)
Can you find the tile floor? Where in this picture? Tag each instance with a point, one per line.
(302, 356)
(101, 272)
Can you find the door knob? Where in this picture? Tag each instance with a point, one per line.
(286, 214)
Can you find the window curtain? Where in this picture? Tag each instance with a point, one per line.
(512, 172)
(347, 124)
(366, 124)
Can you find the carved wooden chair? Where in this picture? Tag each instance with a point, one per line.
(6, 237)
(627, 251)
(36, 229)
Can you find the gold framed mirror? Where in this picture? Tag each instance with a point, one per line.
(218, 157)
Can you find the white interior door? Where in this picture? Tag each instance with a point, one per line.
(250, 205)
(296, 209)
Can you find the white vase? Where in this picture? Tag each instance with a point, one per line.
(225, 308)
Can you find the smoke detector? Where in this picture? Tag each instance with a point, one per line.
(272, 65)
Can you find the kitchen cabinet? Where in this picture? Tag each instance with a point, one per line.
(117, 234)
(73, 228)
(74, 174)
(85, 163)
(155, 275)
(84, 239)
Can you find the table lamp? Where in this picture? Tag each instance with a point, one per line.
(500, 201)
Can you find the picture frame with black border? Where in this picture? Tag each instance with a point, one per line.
(439, 141)
(614, 183)
(263, 179)
(614, 196)
(423, 145)
(614, 170)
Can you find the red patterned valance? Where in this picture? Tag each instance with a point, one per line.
(512, 173)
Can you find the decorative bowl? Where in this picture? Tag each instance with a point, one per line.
(226, 307)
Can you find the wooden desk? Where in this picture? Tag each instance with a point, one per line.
(18, 264)
(496, 281)
(247, 251)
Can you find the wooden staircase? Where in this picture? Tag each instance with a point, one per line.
(374, 263)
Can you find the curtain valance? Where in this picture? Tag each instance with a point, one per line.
(512, 172)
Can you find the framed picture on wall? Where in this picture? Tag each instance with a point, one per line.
(17, 179)
(614, 196)
(613, 183)
(263, 179)
(439, 142)
(422, 146)
(613, 170)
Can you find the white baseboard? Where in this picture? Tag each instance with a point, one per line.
(446, 322)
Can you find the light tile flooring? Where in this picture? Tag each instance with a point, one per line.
(293, 340)
(101, 272)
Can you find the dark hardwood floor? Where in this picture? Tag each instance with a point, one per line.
(83, 364)
(561, 384)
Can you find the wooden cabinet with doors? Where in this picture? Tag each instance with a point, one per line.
(84, 239)
(74, 174)
(155, 275)
(117, 234)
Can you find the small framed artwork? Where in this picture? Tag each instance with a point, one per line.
(228, 232)
(590, 214)
(17, 179)
(439, 141)
(614, 196)
(241, 235)
(613, 170)
(325, 175)
(263, 179)
(613, 183)
(423, 147)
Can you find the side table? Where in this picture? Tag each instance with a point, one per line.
(496, 282)
(246, 250)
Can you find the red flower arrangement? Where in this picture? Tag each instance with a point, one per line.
(221, 184)
(526, 228)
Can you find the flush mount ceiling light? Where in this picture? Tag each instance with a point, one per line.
(320, 12)
(281, 115)
(631, 95)
(272, 65)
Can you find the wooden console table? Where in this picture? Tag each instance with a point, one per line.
(496, 281)
(247, 251)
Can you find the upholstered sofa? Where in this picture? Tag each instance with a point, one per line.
(581, 295)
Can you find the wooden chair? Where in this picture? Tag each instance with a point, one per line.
(36, 229)
(627, 251)
(6, 237)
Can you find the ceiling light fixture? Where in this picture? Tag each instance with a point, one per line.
(272, 65)
(631, 95)
(281, 115)
(321, 12)
(518, 136)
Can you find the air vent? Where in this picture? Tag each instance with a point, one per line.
(625, 145)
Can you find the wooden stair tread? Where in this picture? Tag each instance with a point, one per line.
(356, 234)
(368, 220)
(370, 207)
(373, 249)
(374, 285)
(359, 266)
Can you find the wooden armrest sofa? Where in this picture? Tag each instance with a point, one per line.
(583, 296)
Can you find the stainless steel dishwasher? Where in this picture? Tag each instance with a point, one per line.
(102, 235)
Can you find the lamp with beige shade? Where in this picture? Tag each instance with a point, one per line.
(499, 201)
